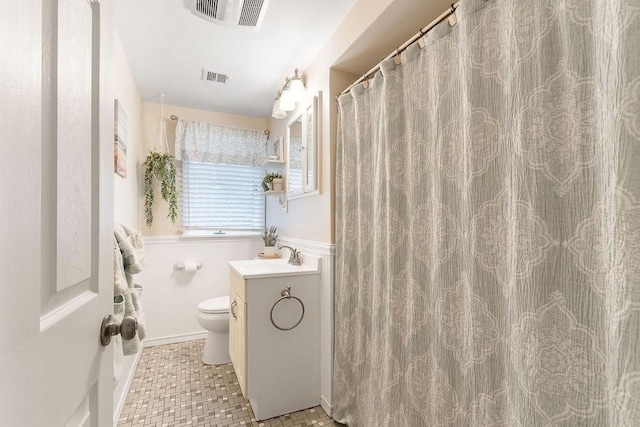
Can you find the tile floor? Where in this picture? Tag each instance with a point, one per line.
(172, 387)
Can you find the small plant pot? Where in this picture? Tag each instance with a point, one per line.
(278, 184)
(269, 250)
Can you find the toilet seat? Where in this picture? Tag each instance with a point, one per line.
(214, 305)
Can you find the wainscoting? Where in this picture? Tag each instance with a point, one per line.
(129, 365)
(170, 297)
(327, 252)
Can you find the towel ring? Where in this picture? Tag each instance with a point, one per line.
(286, 294)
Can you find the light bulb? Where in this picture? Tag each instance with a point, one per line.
(277, 112)
(287, 103)
(297, 89)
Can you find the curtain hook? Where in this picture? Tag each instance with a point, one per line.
(421, 42)
(453, 19)
(396, 58)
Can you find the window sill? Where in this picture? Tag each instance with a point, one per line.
(205, 236)
(211, 235)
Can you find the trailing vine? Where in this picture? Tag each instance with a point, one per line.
(160, 166)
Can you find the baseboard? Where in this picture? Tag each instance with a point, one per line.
(152, 342)
(326, 406)
(118, 404)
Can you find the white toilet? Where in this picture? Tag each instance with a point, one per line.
(213, 315)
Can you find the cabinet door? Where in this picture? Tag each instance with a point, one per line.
(237, 339)
(233, 329)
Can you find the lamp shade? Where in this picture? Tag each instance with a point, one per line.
(277, 112)
(287, 103)
(297, 89)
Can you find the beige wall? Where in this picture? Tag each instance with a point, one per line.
(371, 30)
(127, 190)
(150, 137)
(312, 218)
(360, 41)
(308, 218)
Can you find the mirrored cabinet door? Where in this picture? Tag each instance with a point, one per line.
(303, 151)
(311, 151)
(296, 159)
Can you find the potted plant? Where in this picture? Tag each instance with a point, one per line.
(277, 183)
(159, 166)
(267, 182)
(270, 239)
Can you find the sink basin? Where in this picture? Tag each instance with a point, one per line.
(259, 268)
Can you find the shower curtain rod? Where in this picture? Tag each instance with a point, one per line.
(446, 14)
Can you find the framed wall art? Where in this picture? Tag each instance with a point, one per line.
(120, 140)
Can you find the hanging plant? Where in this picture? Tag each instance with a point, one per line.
(160, 166)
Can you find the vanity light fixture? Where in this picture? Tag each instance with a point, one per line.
(293, 91)
(296, 86)
(287, 103)
(278, 112)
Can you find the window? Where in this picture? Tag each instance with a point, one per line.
(220, 175)
(219, 196)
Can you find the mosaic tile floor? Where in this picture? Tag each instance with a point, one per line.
(172, 387)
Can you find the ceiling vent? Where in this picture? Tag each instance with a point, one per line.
(231, 13)
(212, 76)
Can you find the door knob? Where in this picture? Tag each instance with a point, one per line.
(110, 327)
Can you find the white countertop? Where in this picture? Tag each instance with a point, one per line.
(261, 268)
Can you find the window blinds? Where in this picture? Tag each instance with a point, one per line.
(221, 196)
(221, 176)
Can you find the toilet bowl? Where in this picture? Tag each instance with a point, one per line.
(213, 315)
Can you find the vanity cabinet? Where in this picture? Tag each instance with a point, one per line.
(278, 369)
(238, 336)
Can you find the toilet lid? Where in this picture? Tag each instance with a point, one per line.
(215, 305)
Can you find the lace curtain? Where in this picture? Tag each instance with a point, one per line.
(212, 143)
(488, 223)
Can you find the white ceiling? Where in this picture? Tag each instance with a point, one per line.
(167, 47)
(400, 21)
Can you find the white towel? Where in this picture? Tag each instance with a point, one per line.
(132, 246)
(120, 284)
(132, 308)
(129, 259)
(118, 314)
(142, 323)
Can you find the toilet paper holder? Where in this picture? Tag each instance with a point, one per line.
(181, 265)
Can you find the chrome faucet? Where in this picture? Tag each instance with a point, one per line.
(294, 258)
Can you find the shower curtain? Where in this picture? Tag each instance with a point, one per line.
(488, 223)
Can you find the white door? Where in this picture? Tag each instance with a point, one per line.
(56, 206)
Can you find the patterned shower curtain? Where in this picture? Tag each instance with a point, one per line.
(488, 223)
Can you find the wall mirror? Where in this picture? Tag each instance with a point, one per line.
(303, 151)
(295, 159)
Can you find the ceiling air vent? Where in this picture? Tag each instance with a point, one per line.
(212, 76)
(231, 13)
